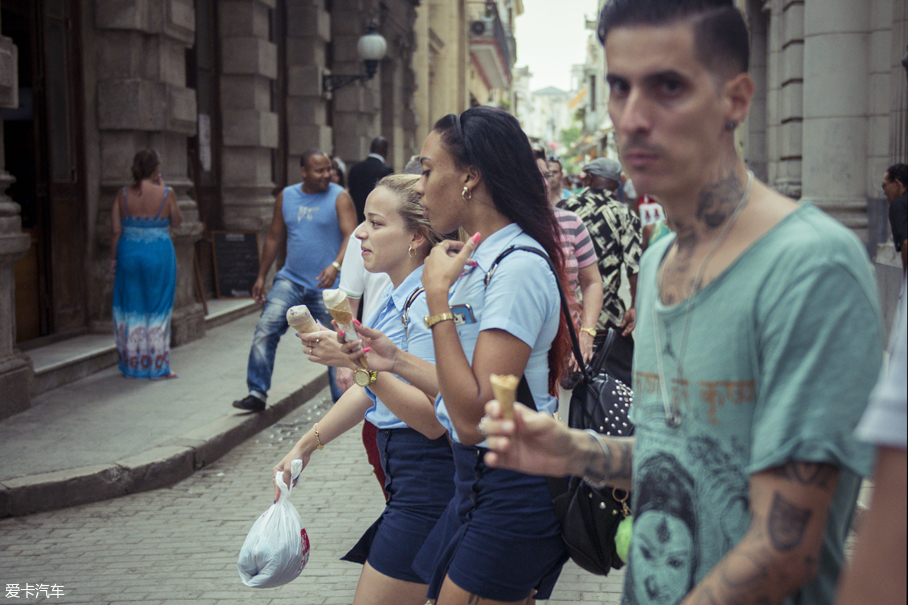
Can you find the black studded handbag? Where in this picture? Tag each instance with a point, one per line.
(589, 517)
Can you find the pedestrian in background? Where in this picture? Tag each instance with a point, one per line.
(895, 186)
(338, 172)
(415, 453)
(584, 284)
(878, 568)
(364, 175)
(615, 231)
(145, 269)
(313, 218)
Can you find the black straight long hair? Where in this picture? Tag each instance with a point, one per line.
(492, 141)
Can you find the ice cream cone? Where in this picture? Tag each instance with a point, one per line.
(504, 389)
(300, 319)
(339, 308)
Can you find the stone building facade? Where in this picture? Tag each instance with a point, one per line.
(229, 92)
(831, 111)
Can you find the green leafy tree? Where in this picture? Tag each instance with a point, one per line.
(569, 136)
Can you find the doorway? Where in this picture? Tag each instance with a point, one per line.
(42, 142)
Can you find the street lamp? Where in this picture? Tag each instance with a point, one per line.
(371, 47)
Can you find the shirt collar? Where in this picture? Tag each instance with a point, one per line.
(377, 157)
(493, 245)
(402, 292)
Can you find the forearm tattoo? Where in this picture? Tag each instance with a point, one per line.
(614, 465)
(777, 555)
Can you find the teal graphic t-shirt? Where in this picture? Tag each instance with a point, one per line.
(783, 350)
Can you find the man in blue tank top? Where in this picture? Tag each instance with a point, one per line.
(315, 218)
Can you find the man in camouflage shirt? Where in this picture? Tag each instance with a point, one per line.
(615, 232)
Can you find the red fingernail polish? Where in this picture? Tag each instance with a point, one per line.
(475, 237)
(367, 349)
(340, 333)
(356, 322)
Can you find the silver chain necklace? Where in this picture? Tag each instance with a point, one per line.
(672, 407)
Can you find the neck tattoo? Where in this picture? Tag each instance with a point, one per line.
(672, 406)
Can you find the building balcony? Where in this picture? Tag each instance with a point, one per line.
(491, 48)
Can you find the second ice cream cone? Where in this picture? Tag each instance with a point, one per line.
(504, 389)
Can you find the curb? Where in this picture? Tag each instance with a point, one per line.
(157, 467)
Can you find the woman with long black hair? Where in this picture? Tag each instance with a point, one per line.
(499, 541)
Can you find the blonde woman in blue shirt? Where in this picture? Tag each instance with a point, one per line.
(416, 455)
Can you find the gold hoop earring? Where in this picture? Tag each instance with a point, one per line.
(410, 252)
(466, 194)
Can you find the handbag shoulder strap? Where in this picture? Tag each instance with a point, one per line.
(405, 315)
(565, 310)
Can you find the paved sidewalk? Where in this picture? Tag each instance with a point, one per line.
(179, 545)
(106, 435)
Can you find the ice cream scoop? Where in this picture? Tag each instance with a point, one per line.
(504, 389)
(300, 319)
(339, 308)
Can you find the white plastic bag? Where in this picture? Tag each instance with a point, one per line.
(277, 547)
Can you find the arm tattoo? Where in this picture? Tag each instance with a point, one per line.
(808, 473)
(786, 523)
(625, 467)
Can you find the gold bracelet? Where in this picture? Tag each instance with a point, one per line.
(590, 331)
(317, 438)
(434, 319)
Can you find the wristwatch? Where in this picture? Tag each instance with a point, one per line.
(434, 319)
(336, 265)
(364, 377)
(590, 331)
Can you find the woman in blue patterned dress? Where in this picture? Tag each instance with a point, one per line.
(145, 268)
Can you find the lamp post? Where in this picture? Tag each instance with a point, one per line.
(371, 48)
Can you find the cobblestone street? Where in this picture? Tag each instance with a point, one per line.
(179, 544)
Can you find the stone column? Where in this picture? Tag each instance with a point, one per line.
(785, 81)
(248, 68)
(143, 102)
(356, 106)
(836, 85)
(898, 138)
(308, 34)
(15, 368)
(754, 138)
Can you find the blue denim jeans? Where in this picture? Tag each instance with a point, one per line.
(272, 325)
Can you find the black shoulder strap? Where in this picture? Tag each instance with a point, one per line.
(564, 305)
(404, 316)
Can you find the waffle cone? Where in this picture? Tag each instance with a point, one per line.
(504, 389)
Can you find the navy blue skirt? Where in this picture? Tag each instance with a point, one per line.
(499, 538)
(419, 481)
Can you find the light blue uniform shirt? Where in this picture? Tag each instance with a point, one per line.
(522, 299)
(387, 319)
